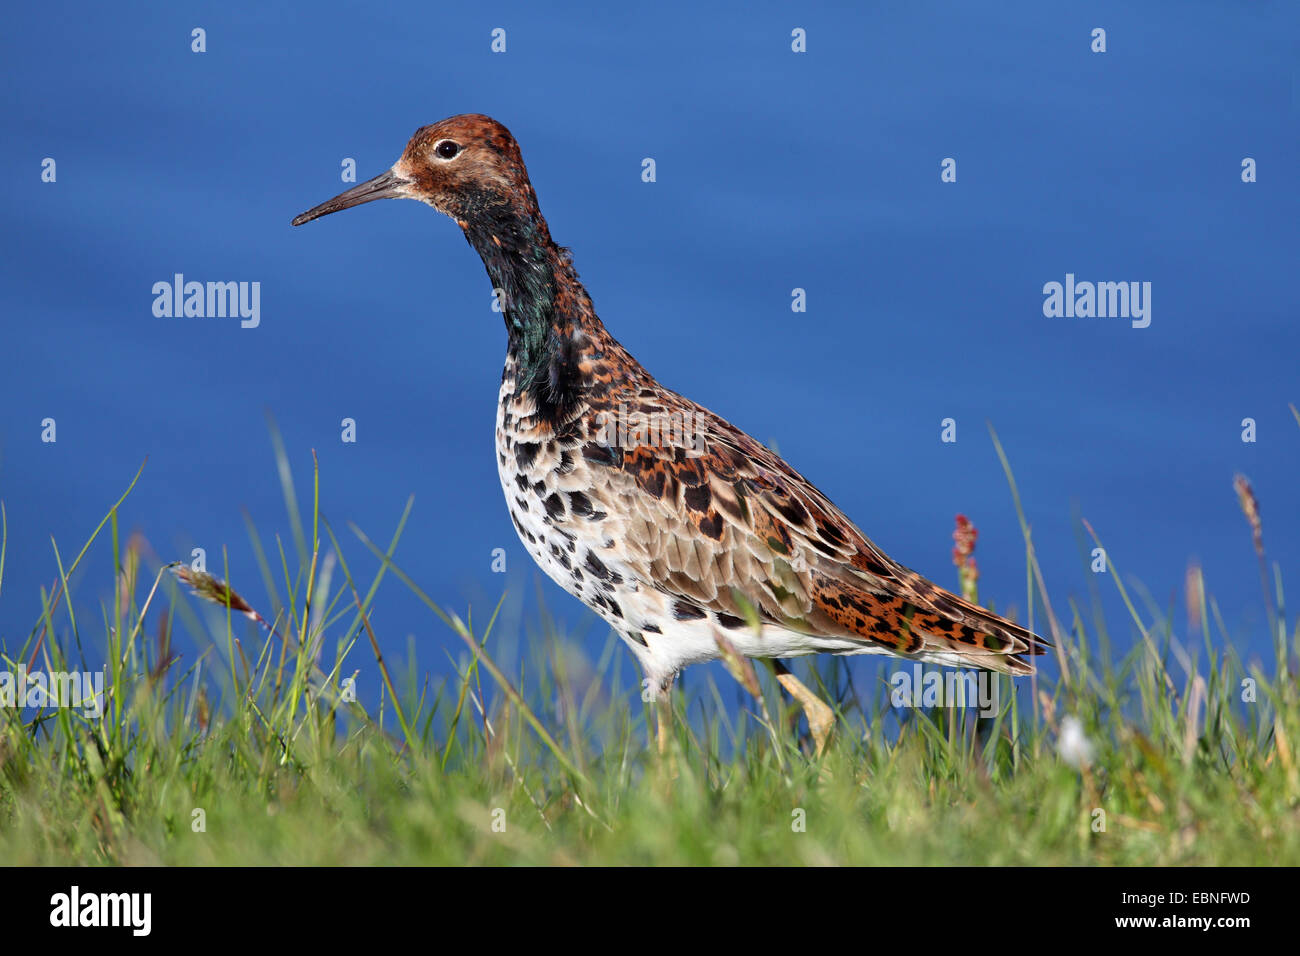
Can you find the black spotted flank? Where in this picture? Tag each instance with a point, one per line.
(686, 612)
(598, 454)
(597, 568)
(730, 621)
(554, 505)
(526, 453)
(580, 504)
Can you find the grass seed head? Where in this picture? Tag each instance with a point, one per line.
(216, 591)
(1250, 508)
(963, 555)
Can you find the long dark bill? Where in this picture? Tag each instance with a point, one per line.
(384, 186)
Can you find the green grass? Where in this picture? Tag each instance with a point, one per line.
(561, 769)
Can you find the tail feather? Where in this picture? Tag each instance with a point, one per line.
(974, 633)
(914, 617)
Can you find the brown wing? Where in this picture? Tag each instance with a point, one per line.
(707, 509)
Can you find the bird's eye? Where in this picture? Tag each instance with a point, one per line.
(447, 149)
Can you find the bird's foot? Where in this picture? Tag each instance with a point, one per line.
(820, 716)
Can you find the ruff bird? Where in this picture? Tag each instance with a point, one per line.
(686, 535)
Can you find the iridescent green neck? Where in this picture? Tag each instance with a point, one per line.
(527, 271)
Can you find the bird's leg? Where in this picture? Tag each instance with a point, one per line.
(664, 713)
(667, 755)
(820, 716)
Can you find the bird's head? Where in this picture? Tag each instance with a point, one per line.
(467, 167)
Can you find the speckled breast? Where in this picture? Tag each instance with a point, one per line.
(562, 520)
